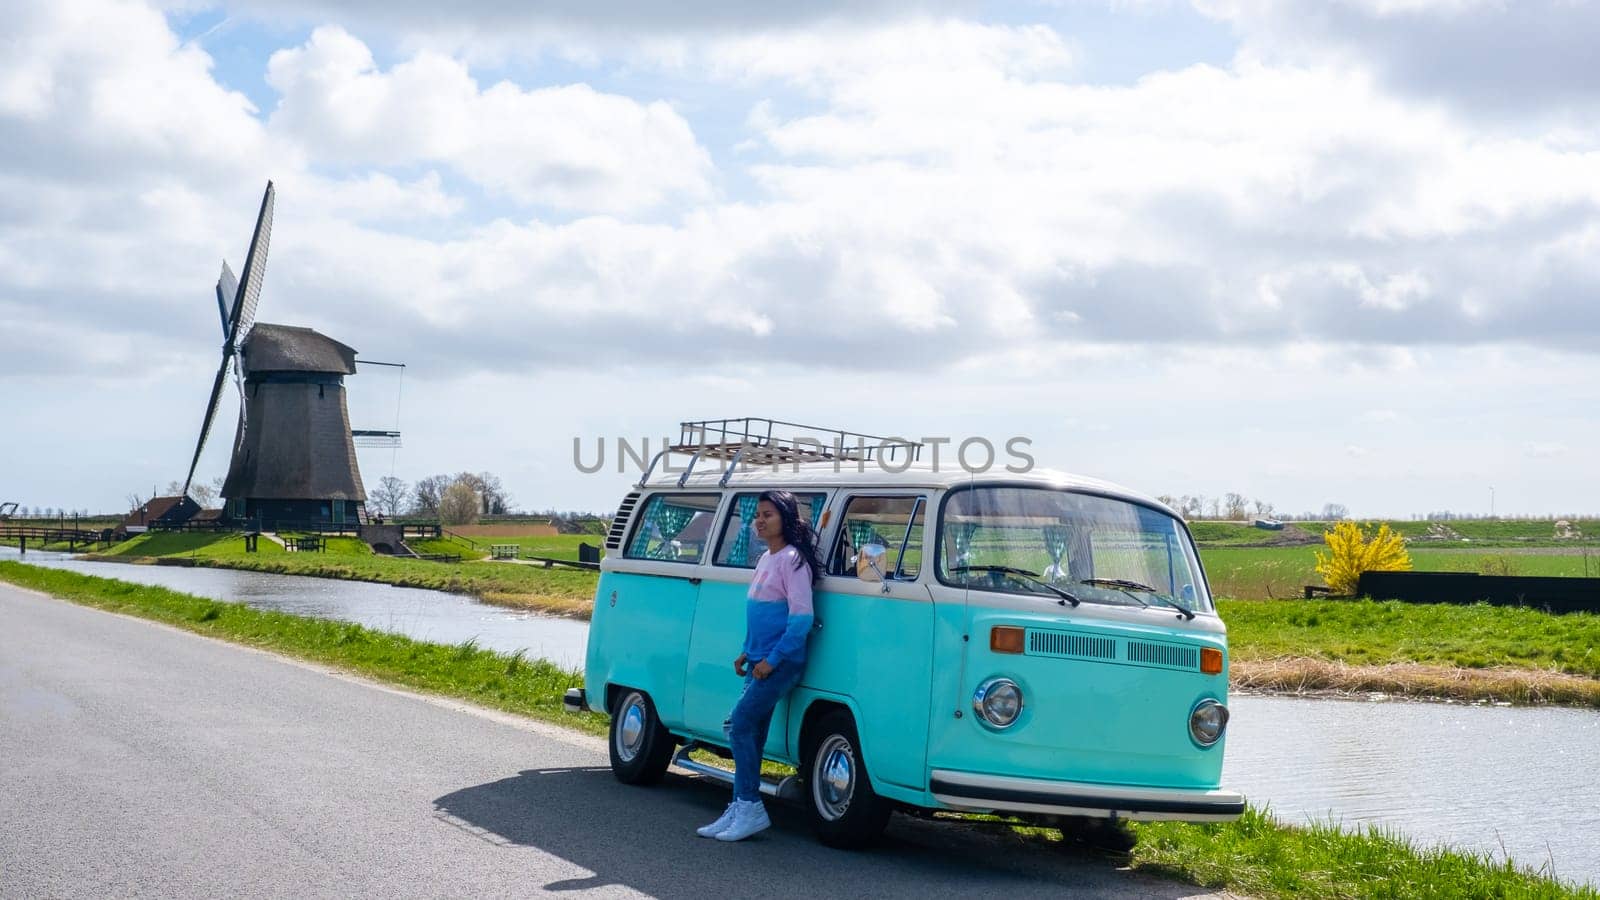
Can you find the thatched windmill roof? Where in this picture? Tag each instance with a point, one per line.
(290, 348)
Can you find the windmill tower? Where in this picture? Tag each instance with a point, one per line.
(294, 459)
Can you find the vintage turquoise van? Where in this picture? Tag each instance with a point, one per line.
(1035, 644)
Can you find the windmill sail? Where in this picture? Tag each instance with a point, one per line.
(205, 424)
(237, 320)
(255, 268)
(227, 289)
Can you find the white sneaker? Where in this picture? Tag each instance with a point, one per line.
(748, 819)
(722, 822)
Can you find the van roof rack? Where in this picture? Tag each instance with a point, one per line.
(766, 442)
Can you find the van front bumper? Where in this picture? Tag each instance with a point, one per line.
(994, 793)
(575, 701)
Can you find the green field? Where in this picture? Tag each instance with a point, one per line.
(1452, 534)
(210, 545)
(1262, 572)
(555, 546)
(1367, 632)
(447, 547)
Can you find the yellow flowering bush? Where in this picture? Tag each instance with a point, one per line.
(1350, 553)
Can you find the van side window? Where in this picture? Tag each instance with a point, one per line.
(739, 545)
(886, 525)
(673, 528)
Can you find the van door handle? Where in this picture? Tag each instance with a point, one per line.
(694, 581)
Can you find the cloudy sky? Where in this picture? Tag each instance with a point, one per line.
(1308, 251)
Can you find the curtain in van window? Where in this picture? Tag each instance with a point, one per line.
(861, 534)
(739, 554)
(816, 510)
(662, 520)
(961, 535)
(1080, 562)
(1055, 542)
(671, 520)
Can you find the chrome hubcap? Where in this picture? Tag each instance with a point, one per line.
(833, 778)
(630, 728)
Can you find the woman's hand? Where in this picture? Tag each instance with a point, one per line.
(761, 670)
(738, 664)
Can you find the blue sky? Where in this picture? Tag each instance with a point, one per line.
(1309, 252)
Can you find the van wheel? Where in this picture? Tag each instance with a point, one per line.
(844, 811)
(641, 748)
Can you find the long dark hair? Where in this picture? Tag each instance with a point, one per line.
(797, 531)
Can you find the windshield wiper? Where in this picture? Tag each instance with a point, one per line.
(1023, 574)
(1126, 586)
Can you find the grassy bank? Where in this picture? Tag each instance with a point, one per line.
(1477, 652)
(1368, 632)
(1256, 855)
(1260, 857)
(567, 592)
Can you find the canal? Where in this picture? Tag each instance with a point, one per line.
(1499, 780)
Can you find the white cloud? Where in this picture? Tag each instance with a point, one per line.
(569, 146)
(1519, 61)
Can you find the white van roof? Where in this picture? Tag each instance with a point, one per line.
(708, 475)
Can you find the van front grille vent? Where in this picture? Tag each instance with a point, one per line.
(619, 522)
(1167, 655)
(1066, 643)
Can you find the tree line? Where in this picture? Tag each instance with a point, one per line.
(1234, 506)
(453, 499)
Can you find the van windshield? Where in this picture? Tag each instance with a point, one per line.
(1099, 549)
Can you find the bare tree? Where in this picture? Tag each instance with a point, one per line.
(1236, 505)
(1264, 509)
(426, 494)
(459, 504)
(135, 500)
(390, 495)
(1334, 512)
(202, 493)
(492, 496)
(496, 501)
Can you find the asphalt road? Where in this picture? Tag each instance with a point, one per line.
(138, 760)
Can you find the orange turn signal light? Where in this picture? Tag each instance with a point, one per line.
(1210, 660)
(1005, 639)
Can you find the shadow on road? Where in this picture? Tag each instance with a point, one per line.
(643, 838)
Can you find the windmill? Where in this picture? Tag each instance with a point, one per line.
(294, 461)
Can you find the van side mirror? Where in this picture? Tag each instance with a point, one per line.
(869, 562)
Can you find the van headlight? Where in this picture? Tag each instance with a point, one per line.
(998, 701)
(1207, 721)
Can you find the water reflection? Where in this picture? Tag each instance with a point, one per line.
(1492, 779)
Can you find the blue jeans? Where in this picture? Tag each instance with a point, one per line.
(748, 726)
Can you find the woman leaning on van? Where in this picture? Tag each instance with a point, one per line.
(778, 620)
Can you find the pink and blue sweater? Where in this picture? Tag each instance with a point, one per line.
(778, 613)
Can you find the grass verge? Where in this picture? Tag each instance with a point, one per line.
(1255, 855)
(1260, 857)
(514, 683)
